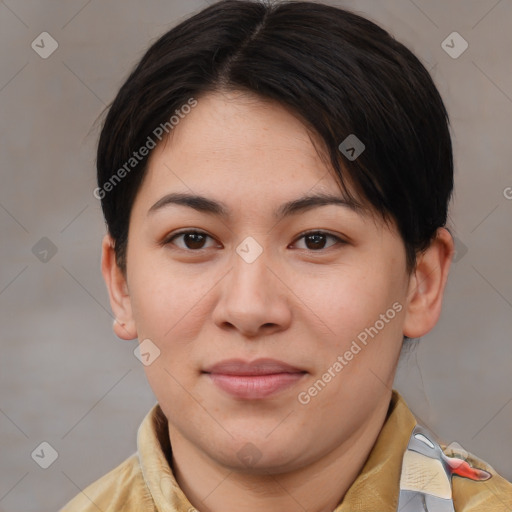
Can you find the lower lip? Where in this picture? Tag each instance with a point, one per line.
(254, 386)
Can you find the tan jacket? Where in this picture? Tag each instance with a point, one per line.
(145, 483)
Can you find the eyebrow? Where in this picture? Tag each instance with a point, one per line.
(219, 209)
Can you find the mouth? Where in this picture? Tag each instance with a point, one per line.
(254, 380)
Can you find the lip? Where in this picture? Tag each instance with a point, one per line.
(253, 380)
(263, 366)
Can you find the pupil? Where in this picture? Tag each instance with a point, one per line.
(317, 239)
(194, 240)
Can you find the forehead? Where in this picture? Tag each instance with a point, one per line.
(237, 141)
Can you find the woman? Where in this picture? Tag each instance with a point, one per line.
(275, 181)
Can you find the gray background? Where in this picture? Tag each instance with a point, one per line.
(66, 379)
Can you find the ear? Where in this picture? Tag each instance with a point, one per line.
(427, 284)
(124, 325)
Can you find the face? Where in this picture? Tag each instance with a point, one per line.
(279, 329)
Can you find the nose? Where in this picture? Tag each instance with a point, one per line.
(253, 299)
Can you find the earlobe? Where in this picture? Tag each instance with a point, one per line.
(427, 285)
(124, 325)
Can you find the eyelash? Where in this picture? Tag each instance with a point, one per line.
(339, 241)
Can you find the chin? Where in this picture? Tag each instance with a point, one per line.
(258, 456)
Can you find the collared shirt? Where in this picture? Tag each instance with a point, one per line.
(145, 482)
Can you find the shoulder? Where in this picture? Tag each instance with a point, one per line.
(123, 488)
(491, 495)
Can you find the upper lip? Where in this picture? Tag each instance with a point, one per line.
(256, 367)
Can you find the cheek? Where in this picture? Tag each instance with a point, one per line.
(364, 303)
(166, 308)
(345, 299)
(164, 295)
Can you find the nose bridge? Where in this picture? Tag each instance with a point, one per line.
(251, 297)
(250, 269)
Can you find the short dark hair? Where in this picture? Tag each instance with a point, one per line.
(339, 72)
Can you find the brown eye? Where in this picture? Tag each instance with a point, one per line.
(191, 240)
(194, 240)
(316, 240)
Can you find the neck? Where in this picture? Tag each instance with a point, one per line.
(317, 487)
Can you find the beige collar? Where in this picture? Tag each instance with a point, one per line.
(376, 488)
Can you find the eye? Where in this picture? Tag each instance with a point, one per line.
(316, 240)
(192, 240)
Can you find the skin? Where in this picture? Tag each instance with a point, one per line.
(300, 302)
